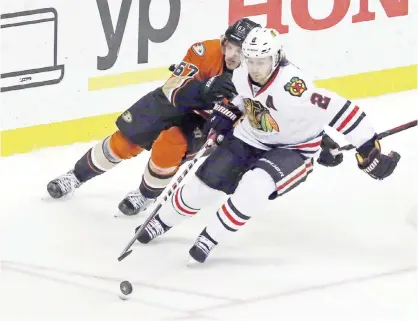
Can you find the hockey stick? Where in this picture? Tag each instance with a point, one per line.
(379, 136)
(209, 143)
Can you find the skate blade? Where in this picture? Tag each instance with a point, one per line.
(145, 212)
(120, 214)
(48, 198)
(192, 263)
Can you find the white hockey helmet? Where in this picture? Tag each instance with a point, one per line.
(264, 42)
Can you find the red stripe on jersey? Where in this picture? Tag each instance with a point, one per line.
(349, 117)
(302, 172)
(308, 145)
(229, 216)
(181, 208)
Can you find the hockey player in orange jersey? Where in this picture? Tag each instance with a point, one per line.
(168, 121)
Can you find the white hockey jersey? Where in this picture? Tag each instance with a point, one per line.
(290, 112)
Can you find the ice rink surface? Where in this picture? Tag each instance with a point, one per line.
(339, 247)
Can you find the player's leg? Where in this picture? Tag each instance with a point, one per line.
(274, 174)
(99, 159)
(170, 149)
(134, 133)
(166, 155)
(219, 174)
(193, 129)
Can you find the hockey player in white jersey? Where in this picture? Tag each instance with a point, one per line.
(271, 150)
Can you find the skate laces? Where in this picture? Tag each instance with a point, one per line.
(204, 244)
(68, 183)
(137, 199)
(154, 228)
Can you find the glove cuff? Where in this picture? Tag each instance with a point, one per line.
(365, 149)
(368, 151)
(328, 143)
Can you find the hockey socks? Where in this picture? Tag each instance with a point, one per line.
(251, 194)
(104, 156)
(187, 201)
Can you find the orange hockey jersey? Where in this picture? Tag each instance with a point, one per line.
(202, 61)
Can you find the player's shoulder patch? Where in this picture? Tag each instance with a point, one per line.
(199, 49)
(296, 86)
(127, 116)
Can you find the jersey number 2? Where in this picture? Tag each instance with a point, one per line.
(185, 69)
(320, 101)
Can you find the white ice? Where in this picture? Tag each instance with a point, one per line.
(339, 247)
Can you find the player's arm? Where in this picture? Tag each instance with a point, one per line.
(185, 89)
(350, 120)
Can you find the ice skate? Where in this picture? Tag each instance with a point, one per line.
(135, 203)
(154, 228)
(201, 249)
(63, 185)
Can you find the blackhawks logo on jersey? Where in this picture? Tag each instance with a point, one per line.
(259, 116)
(296, 86)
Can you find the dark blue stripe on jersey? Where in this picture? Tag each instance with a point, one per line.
(236, 212)
(340, 113)
(358, 121)
(306, 151)
(226, 226)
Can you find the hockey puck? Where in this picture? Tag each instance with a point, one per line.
(126, 287)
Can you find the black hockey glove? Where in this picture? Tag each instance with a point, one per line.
(224, 116)
(326, 158)
(373, 162)
(217, 88)
(172, 67)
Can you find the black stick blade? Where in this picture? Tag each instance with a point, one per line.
(124, 255)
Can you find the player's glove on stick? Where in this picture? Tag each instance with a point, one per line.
(217, 88)
(325, 157)
(373, 162)
(224, 116)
